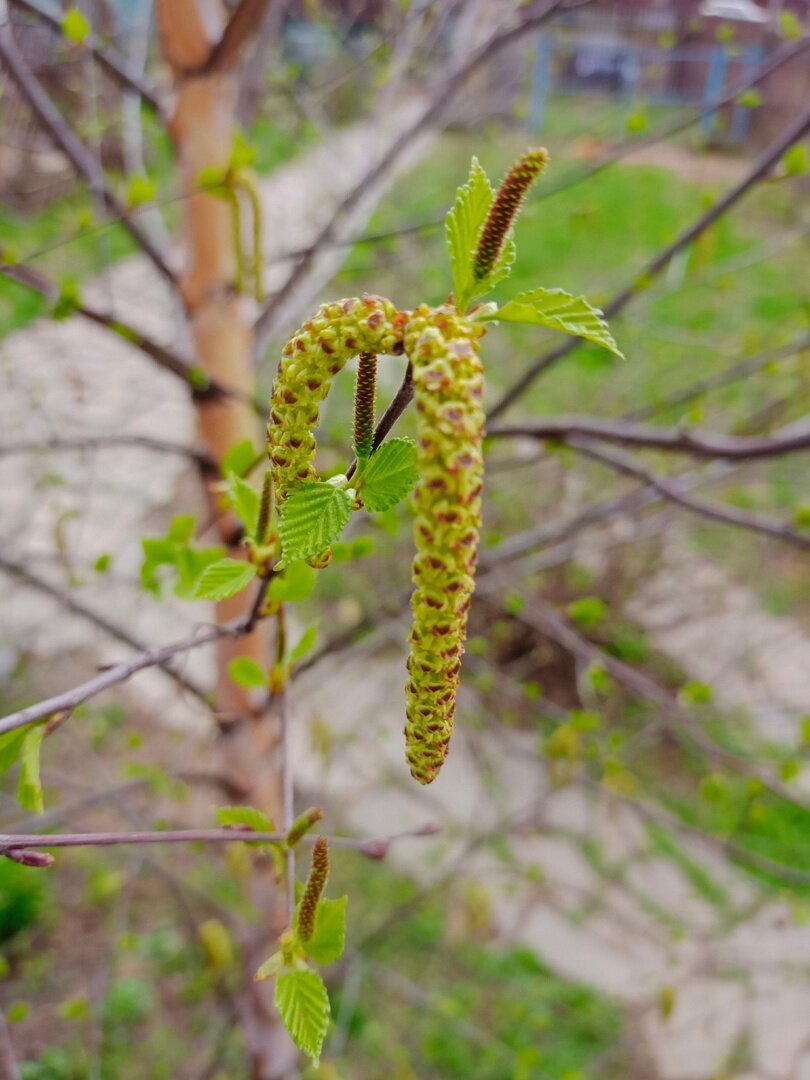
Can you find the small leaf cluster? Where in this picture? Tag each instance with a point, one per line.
(468, 226)
(316, 513)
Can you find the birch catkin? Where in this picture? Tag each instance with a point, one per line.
(309, 362)
(448, 390)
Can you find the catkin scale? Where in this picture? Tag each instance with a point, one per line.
(309, 362)
(448, 390)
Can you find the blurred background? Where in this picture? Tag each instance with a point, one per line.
(617, 884)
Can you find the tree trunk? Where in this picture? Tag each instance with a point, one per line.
(201, 47)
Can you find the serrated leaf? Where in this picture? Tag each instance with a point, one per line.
(244, 815)
(462, 226)
(10, 748)
(244, 500)
(389, 475)
(329, 937)
(305, 643)
(29, 787)
(75, 26)
(559, 310)
(303, 1004)
(246, 672)
(293, 584)
(312, 517)
(224, 578)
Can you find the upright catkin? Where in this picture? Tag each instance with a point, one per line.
(309, 362)
(448, 386)
(501, 215)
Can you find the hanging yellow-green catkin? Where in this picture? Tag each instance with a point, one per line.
(309, 362)
(448, 385)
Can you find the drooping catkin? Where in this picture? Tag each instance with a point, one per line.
(309, 362)
(448, 390)
(504, 208)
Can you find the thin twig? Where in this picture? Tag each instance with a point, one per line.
(659, 262)
(66, 140)
(70, 603)
(674, 491)
(19, 841)
(80, 443)
(702, 444)
(116, 65)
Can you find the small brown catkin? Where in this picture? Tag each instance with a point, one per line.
(504, 207)
(313, 890)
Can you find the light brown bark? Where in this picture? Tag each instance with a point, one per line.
(201, 51)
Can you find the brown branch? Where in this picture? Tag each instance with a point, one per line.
(674, 491)
(244, 21)
(116, 65)
(71, 146)
(373, 848)
(693, 441)
(659, 262)
(100, 442)
(202, 385)
(70, 603)
(68, 700)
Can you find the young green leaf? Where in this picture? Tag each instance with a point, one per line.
(304, 644)
(329, 939)
(140, 190)
(75, 26)
(293, 584)
(224, 578)
(247, 672)
(389, 476)
(10, 747)
(244, 500)
(239, 458)
(29, 787)
(244, 815)
(312, 517)
(559, 310)
(303, 1005)
(461, 228)
(271, 967)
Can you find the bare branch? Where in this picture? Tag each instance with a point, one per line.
(674, 490)
(693, 441)
(202, 385)
(373, 848)
(70, 603)
(660, 261)
(101, 442)
(60, 132)
(118, 673)
(116, 65)
(241, 25)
